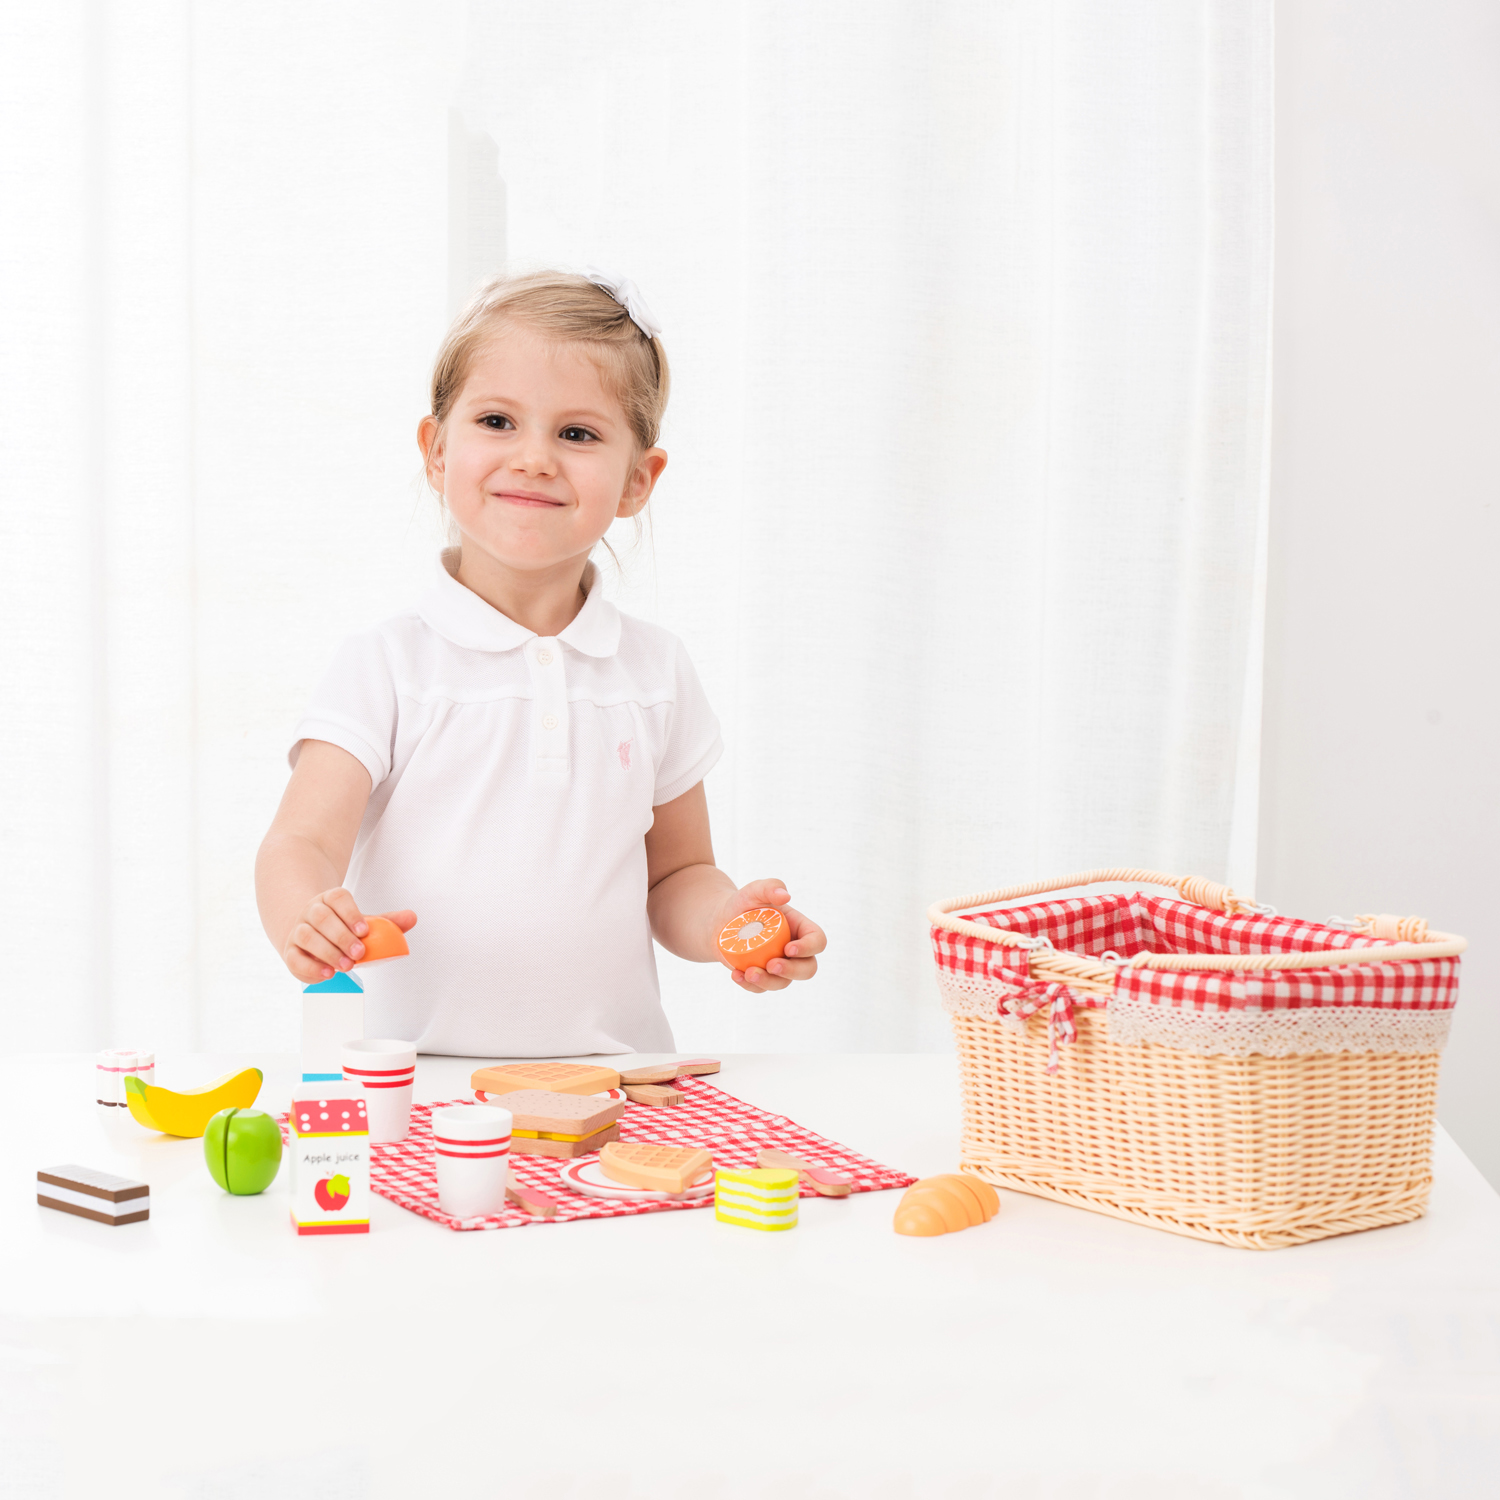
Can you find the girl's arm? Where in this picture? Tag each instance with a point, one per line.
(312, 921)
(691, 899)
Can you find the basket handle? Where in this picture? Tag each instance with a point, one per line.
(1089, 976)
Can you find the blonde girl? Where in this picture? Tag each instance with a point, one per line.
(514, 760)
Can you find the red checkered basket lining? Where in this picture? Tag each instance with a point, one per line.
(1137, 922)
(732, 1130)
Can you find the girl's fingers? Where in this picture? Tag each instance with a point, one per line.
(807, 937)
(758, 982)
(315, 945)
(404, 919)
(763, 893)
(323, 919)
(346, 909)
(305, 967)
(793, 968)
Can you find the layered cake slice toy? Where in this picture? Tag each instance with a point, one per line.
(757, 1198)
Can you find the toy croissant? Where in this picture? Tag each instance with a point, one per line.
(936, 1205)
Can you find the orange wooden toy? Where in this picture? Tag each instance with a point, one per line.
(383, 941)
(754, 938)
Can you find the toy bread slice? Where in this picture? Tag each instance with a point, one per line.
(939, 1205)
(661, 1169)
(652, 1095)
(570, 1116)
(555, 1077)
(669, 1072)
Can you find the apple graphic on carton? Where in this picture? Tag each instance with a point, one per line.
(332, 1193)
(243, 1150)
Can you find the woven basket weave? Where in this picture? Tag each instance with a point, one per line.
(1254, 1151)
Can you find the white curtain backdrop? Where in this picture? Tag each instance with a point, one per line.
(968, 309)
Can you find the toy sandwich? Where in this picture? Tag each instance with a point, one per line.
(566, 1125)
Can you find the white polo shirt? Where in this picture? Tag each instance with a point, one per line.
(514, 779)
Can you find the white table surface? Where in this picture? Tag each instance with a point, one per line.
(211, 1352)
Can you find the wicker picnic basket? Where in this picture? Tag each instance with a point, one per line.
(1196, 1062)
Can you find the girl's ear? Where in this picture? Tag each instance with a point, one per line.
(641, 482)
(430, 441)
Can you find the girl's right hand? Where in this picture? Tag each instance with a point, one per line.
(327, 936)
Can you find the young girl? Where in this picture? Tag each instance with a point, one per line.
(514, 760)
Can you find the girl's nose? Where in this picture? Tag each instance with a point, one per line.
(534, 456)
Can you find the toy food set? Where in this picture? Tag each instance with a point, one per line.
(539, 1205)
(587, 1176)
(330, 1150)
(113, 1067)
(939, 1205)
(555, 1077)
(100, 1196)
(472, 1145)
(657, 1168)
(188, 1113)
(757, 1198)
(1194, 1061)
(566, 1125)
(754, 938)
(823, 1182)
(387, 1070)
(242, 1148)
(708, 1120)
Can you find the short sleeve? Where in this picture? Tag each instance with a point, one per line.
(354, 706)
(693, 743)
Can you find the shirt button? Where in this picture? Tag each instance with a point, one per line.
(549, 721)
(544, 658)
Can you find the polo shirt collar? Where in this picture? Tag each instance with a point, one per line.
(461, 616)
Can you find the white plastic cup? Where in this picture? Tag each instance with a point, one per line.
(473, 1152)
(387, 1069)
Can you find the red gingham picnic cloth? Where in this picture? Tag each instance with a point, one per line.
(1129, 924)
(732, 1130)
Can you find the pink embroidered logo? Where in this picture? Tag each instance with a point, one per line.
(623, 751)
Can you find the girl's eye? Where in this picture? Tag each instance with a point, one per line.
(495, 422)
(577, 435)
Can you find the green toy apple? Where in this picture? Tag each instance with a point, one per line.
(243, 1150)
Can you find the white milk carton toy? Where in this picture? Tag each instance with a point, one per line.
(330, 1141)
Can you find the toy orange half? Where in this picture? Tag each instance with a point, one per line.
(383, 941)
(754, 938)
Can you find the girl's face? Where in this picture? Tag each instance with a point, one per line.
(536, 458)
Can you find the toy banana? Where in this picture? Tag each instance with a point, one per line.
(188, 1113)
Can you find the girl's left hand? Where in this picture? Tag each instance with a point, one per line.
(807, 938)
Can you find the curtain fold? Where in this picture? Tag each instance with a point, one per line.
(968, 309)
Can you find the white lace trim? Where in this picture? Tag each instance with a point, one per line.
(1240, 1033)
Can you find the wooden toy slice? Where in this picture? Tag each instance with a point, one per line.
(383, 942)
(524, 1145)
(829, 1184)
(91, 1194)
(538, 1205)
(645, 1164)
(940, 1205)
(653, 1095)
(587, 1177)
(571, 1116)
(669, 1072)
(188, 1113)
(555, 1077)
(754, 938)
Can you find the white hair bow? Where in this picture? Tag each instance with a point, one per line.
(625, 293)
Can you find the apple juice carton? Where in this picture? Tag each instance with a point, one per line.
(330, 1149)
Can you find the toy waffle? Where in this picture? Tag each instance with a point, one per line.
(555, 1077)
(649, 1164)
(1258, 1080)
(586, 1176)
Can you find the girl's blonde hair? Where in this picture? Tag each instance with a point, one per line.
(570, 309)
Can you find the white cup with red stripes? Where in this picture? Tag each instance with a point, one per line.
(473, 1152)
(387, 1069)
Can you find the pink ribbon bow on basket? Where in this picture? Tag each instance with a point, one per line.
(1028, 997)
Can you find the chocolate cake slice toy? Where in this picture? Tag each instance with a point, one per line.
(100, 1196)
